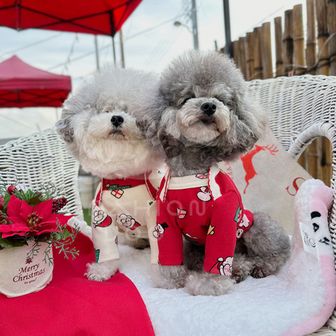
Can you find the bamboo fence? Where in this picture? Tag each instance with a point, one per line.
(299, 48)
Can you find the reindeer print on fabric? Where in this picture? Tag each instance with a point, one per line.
(247, 161)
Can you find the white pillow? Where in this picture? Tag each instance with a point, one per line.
(268, 179)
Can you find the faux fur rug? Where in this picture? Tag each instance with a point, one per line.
(297, 301)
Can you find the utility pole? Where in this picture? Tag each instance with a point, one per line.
(122, 54)
(193, 16)
(227, 28)
(97, 52)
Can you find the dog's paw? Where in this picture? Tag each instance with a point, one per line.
(239, 274)
(208, 284)
(241, 268)
(102, 271)
(169, 277)
(263, 270)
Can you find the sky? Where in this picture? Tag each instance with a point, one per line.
(151, 41)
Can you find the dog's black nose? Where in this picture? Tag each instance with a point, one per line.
(117, 120)
(208, 108)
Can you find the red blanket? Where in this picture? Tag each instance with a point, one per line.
(73, 305)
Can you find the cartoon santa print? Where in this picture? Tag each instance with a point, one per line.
(202, 176)
(224, 267)
(181, 213)
(244, 222)
(100, 218)
(239, 233)
(204, 194)
(128, 222)
(211, 230)
(159, 230)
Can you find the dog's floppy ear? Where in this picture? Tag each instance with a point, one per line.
(147, 127)
(65, 129)
(171, 145)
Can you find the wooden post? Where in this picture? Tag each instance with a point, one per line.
(278, 46)
(288, 42)
(242, 56)
(298, 37)
(311, 36)
(266, 47)
(236, 58)
(311, 154)
(325, 156)
(257, 54)
(322, 35)
(332, 34)
(249, 55)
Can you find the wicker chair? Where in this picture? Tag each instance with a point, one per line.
(42, 161)
(300, 110)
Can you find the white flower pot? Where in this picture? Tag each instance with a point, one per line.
(25, 269)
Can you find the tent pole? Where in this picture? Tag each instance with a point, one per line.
(112, 36)
(114, 51)
(122, 53)
(97, 52)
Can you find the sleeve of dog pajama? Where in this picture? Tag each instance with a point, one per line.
(104, 234)
(169, 236)
(221, 239)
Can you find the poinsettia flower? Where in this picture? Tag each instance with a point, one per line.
(31, 220)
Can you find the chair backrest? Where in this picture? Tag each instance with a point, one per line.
(295, 104)
(300, 109)
(42, 161)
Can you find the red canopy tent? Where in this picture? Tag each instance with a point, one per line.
(104, 17)
(22, 85)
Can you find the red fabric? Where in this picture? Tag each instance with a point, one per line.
(194, 214)
(104, 17)
(22, 85)
(72, 305)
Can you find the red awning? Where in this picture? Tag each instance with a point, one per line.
(22, 85)
(83, 16)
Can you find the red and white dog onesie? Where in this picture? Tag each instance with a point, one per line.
(206, 209)
(126, 205)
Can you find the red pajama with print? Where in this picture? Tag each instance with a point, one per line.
(194, 212)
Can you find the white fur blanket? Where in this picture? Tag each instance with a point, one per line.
(296, 301)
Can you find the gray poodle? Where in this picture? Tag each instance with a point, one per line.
(205, 116)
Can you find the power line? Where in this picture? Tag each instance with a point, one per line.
(154, 27)
(89, 53)
(14, 51)
(17, 121)
(72, 48)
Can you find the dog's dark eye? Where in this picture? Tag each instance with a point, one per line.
(221, 100)
(230, 104)
(187, 98)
